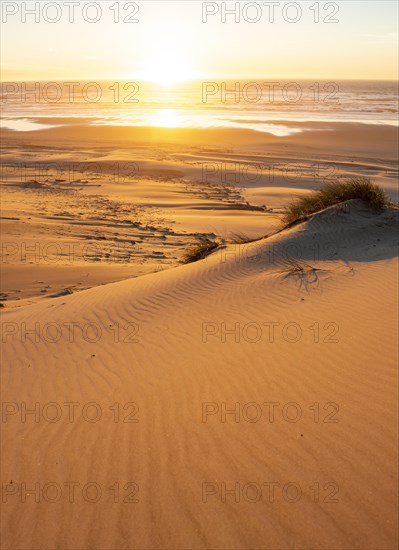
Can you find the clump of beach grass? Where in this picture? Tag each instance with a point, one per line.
(199, 250)
(335, 193)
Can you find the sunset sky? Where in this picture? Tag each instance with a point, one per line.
(170, 43)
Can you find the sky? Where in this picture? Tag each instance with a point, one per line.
(177, 40)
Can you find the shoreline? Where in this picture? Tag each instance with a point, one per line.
(369, 137)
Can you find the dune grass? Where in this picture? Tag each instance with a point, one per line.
(331, 194)
(335, 193)
(199, 250)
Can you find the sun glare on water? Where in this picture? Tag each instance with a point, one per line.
(166, 118)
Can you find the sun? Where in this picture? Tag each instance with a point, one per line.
(167, 68)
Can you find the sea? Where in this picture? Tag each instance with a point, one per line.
(279, 107)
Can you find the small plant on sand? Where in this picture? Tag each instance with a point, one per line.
(307, 275)
(335, 193)
(298, 266)
(199, 250)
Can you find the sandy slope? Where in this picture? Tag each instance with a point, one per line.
(182, 358)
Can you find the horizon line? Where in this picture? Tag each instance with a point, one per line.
(199, 79)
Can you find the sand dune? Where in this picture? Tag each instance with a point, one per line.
(310, 341)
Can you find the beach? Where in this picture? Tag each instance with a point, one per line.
(246, 400)
(85, 205)
(199, 275)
